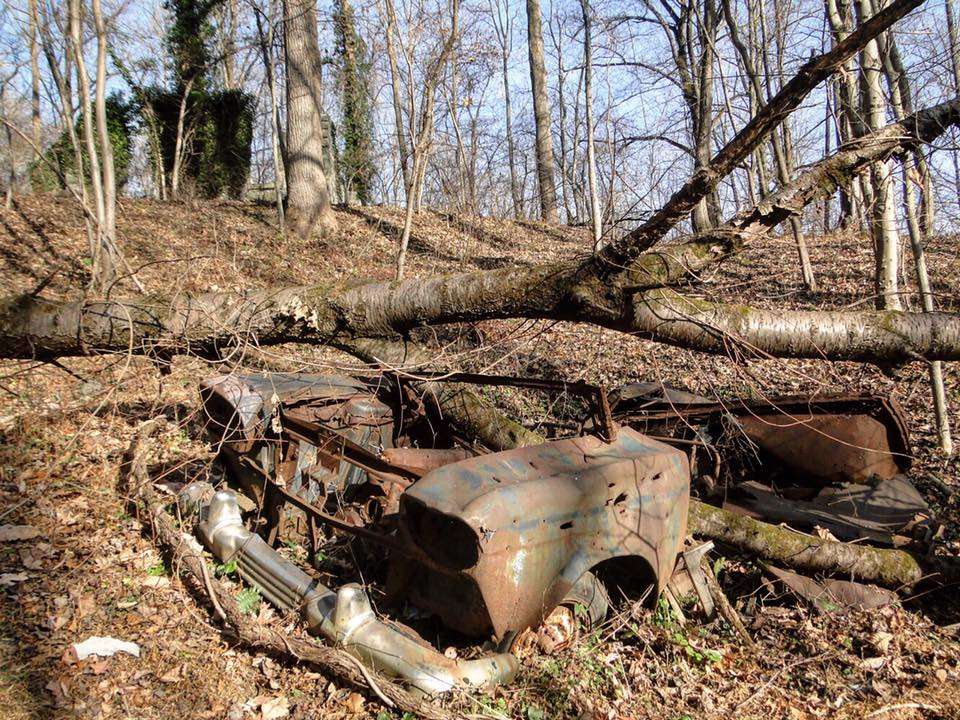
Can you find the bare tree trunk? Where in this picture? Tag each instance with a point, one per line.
(266, 53)
(565, 172)
(595, 221)
(180, 144)
(97, 249)
(705, 213)
(34, 79)
(308, 198)
(423, 135)
(779, 147)
(502, 20)
(901, 98)
(886, 237)
(228, 32)
(852, 125)
(951, 12)
(781, 143)
(402, 148)
(11, 167)
(65, 90)
(941, 410)
(541, 114)
(109, 178)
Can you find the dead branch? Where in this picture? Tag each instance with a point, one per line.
(195, 570)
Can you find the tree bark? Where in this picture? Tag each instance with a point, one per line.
(595, 222)
(308, 198)
(634, 300)
(106, 147)
(883, 213)
(34, 78)
(266, 54)
(502, 21)
(101, 267)
(541, 115)
(402, 148)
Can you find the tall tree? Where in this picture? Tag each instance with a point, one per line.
(276, 141)
(502, 18)
(423, 123)
(541, 114)
(595, 222)
(33, 22)
(778, 140)
(308, 199)
(691, 30)
(357, 126)
(108, 174)
(883, 207)
(102, 266)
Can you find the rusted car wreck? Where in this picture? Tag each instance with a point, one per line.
(488, 542)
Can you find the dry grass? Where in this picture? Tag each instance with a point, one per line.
(92, 571)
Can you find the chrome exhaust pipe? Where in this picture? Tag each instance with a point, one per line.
(345, 616)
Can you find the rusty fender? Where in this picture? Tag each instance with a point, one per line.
(343, 616)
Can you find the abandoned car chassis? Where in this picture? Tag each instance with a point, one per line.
(488, 542)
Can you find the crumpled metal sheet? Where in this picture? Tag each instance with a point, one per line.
(503, 537)
(829, 595)
(828, 438)
(890, 512)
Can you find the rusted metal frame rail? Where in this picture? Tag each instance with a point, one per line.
(596, 394)
(312, 432)
(277, 494)
(294, 428)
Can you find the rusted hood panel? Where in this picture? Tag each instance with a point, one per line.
(525, 524)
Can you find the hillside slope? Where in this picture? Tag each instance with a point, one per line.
(91, 571)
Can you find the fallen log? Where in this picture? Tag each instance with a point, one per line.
(187, 558)
(888, 567)
(632, 300)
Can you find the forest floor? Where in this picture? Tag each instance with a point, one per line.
(90, 570)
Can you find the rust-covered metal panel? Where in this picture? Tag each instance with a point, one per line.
(831, 438)
(504, 536)
(832, 447)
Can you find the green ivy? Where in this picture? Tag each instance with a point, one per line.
(354, 67)
(217, 155)
(59, 160)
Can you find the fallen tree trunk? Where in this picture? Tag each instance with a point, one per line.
(188, 560)
(597, 290)
(891, 568)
